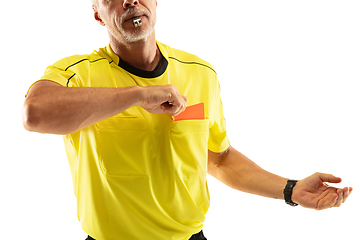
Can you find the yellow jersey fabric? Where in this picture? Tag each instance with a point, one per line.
(138, 175)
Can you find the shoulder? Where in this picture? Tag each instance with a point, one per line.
(183, 58)
(80, 61)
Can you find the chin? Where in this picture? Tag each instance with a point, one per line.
(141, 34)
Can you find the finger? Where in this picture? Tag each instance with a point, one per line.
(179, 110)
(173, 109)
(170, 108)
(347, 192)
(184, 104)
(185, 99)
(328, 202)
(329, 178)
(178, 105)
(340, 199)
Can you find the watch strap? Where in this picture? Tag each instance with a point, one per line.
(288, 192)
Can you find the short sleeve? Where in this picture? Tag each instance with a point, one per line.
(218, 140)
(58, 74)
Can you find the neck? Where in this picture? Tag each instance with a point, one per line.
(143, 55)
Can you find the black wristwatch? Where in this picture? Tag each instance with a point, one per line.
(288, 192)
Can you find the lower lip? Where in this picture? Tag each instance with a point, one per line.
(131, 19)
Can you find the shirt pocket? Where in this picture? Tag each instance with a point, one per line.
(189, 146)
(122, 146)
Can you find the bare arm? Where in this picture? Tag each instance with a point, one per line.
(52, 108)
(237, 171)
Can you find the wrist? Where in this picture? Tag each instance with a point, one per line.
(288, 192)
(137, 96)
(296, 195)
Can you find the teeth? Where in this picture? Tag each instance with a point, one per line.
(137, 21)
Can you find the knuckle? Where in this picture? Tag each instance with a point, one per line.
(173, 88)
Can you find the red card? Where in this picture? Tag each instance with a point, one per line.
(194, 112)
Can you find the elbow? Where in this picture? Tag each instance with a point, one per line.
(30, 117)
(35, 118)
(39, 114)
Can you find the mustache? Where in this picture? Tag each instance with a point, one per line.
(131, 11)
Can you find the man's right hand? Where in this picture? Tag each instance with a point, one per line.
(163, 99)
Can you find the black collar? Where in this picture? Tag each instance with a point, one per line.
(157, 72)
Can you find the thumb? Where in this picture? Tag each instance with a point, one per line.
(329, 178)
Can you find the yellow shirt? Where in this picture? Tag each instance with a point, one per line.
(138, 175)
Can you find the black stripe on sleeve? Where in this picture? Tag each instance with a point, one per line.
(85, 59)
(67, 85)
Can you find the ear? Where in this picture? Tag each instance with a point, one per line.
(97, 16)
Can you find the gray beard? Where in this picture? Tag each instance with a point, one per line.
(138, 34)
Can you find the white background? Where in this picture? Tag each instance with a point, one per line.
(289, 73)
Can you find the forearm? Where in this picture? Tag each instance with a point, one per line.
(51, 108)
(239, 172)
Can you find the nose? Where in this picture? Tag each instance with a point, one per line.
(130, 3)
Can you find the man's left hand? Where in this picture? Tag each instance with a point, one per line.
(313, 192)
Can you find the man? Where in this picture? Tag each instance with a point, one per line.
(143, 124)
